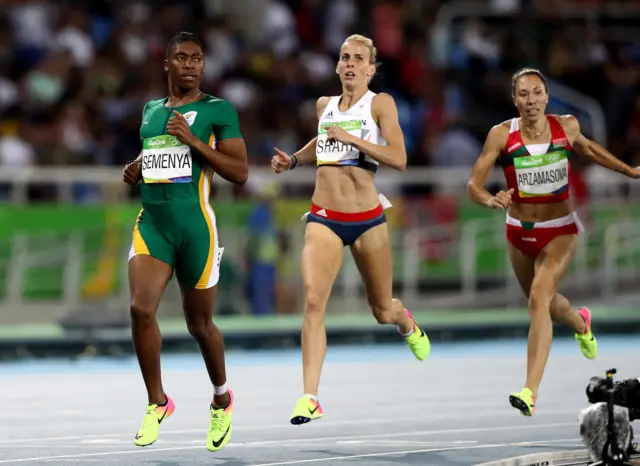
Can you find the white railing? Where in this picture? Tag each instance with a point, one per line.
(621, 253)
(613, 257)
(600, 265)
(609, 258)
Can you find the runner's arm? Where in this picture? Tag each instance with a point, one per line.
(229, 156)
(228, 159)
(394, 154)
(307, 154)
(594, 151)
(484, 163)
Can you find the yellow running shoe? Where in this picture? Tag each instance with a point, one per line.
(418, 340)
(220, 427)
(306, 410)
(155, 415)
(524, 401)
(587, 342)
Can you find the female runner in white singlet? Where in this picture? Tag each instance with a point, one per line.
(357, 131)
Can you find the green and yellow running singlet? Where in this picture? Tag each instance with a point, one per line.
(170, 171)
(177, 224)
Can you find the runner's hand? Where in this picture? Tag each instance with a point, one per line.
(281, 161)
(336, 133)
(179, 128)
(132, 172)
(502, 200)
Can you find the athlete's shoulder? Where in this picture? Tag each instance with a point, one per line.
(570, 125)
(498, 135)
(382, 97)
(222, 116)
(212, 101)
(567, 120)
(321, 104)
(382, 100)
(501, 130)
(152, 104)
(217, 108)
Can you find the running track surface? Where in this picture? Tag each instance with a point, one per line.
(382, 407)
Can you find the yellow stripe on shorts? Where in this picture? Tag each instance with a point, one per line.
(139, 245)
(204, 189)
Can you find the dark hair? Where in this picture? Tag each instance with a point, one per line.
(181, 38)
(526, 72)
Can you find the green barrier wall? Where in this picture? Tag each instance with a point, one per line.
(105, 232)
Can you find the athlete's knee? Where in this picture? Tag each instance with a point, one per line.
(199, 324)
(315, 304)
(541, 296)
(142, 312)
(200, 329)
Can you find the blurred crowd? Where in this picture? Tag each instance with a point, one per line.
(75, 75)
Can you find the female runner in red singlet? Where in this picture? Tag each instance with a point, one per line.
(535, 151)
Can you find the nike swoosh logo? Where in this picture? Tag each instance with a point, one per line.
(163, 415)
(217, 443)
(313, 411)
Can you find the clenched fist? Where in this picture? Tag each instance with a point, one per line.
(502, 200)
(178, 127)
(336, 133)
(132, 172)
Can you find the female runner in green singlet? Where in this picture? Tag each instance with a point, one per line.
(186, 137)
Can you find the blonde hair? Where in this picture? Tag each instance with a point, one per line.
(368, 43)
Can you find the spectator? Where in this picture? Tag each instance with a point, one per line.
(81, 74)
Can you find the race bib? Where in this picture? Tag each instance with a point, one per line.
(334, 151)
(166, 160)
(542, 175)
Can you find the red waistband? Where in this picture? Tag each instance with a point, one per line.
(347, 217)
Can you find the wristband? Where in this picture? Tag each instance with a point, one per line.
(294, 162)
